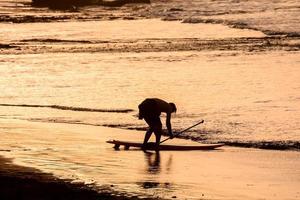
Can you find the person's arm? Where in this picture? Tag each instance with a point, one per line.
(168, 124)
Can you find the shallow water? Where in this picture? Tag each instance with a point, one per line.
(117, 30)
(242, 97)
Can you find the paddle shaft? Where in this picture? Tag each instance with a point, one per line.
(183, 131)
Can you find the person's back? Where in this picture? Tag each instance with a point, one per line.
(163, 106)
(153, 107)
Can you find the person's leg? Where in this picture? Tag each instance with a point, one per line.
(154, 126)
(157, 131)
(147, 136)
(148, 132)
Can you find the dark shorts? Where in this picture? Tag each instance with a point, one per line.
(148, 110)
(153, 121)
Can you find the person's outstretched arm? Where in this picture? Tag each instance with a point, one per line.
(168, 124)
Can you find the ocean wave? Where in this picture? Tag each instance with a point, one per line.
(73, 4)
(6, 46)
(32, 18)
(272, 18)
(51, 40)
(268, 145)
(240, 25)
(206, 136)
(71, 108)
(246, 44)
(272, 145)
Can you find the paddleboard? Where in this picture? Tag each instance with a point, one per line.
(162, 147)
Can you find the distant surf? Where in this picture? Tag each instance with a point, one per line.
(271, 17)
(69, 108)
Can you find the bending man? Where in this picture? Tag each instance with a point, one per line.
(150, 110)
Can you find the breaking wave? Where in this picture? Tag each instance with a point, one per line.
(271, 17)
(51, 40)
(240, 25)
(272, 145)
(206, 136)
(69, 108)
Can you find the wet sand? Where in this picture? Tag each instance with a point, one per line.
(78, 153)
(17, 182)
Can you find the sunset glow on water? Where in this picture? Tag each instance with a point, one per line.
(72, 79)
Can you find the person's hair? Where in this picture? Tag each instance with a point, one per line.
(173, 106)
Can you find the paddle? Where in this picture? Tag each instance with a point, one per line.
(183, 131)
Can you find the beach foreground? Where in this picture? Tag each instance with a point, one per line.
(79, 154)
(18, 182)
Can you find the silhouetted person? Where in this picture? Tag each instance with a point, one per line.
(150, 110)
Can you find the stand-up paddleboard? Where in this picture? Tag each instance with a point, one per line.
(163, 147)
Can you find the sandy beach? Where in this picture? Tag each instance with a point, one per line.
(79, 153)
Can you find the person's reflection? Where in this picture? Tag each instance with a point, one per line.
(154, 167)
(153, 161)
(169, 164)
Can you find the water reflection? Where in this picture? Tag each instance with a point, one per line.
(169, 164)
(153, 162)
(154, 170)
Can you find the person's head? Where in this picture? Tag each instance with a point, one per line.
(173, 107)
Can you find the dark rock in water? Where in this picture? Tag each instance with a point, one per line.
(73, 4)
